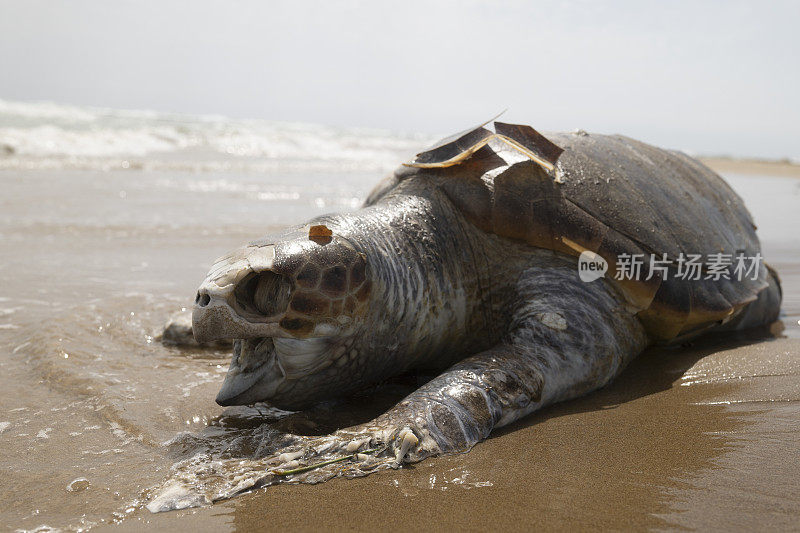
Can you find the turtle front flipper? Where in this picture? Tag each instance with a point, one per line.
(566, 338)
(352, 452)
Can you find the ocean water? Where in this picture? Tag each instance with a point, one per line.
(59, 137)
(108, 222)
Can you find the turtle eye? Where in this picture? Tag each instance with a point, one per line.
(265, 293)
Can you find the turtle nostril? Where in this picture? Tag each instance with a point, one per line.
(202, 300)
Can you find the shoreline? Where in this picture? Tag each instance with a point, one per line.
(722, 165)
(700, 437)
(196, 163)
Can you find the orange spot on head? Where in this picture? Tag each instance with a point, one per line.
(320, 234)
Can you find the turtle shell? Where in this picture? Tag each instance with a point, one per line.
(618, 198)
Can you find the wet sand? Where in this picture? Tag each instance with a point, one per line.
(702, 438)
(699, 437)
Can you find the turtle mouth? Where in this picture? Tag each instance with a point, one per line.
(252, 374)
(263, 367)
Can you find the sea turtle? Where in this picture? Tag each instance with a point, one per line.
(466, 260)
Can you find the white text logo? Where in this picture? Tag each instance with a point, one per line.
(591, 266)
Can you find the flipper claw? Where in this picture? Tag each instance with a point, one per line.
(406, 440)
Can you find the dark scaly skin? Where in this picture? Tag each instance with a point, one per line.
(436, 292)
(512, 326)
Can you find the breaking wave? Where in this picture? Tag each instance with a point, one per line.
(53, 136)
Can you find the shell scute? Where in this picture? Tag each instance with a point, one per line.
(610, 195)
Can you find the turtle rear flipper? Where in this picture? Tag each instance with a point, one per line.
(763, 311)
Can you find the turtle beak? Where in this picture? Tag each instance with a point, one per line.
(240, 388)
(236, 386)
(254, 374)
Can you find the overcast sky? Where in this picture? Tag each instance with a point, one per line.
(710, 77)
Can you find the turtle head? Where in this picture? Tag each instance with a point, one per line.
(292, 304)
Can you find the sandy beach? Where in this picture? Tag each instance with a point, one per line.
(752, 166)
(143, 142)
(97, 253)
(704, 438)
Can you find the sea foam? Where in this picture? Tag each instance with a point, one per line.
(45, 135)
